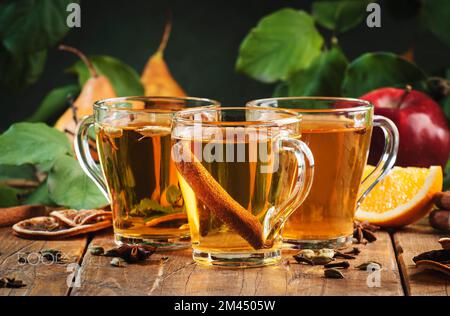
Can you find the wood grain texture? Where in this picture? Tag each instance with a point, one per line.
(40, 278)
(410, 242)
(179, 276)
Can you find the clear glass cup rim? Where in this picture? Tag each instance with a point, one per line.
(107, 104)
(179, 117)
(360, 105)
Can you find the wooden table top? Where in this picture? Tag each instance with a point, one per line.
(179, 275)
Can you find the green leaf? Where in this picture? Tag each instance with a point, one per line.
(17, 172)
(54, 103)
(374, 70)
(323, 77)
(125, 80)
(436, 16)
(173, 194)
(8, 196)
(281, 90)
(69, 186)
(281, 44)
(32, 143)
(40, 196)
(28, 26)
(445, 103)
(149, 208)
(21, 70)
(446, 184)
(340, 15)
(45, 166)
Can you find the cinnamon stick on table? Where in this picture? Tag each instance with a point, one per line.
(211, 193)
(11, 215)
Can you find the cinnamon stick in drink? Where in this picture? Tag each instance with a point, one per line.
(211, 193)
(204, 221)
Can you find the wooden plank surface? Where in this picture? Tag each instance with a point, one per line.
(179, 276)
(40, 278)
(410, 242)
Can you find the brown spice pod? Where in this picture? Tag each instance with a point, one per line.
(441, 255)
(442, 200)
(433, 265)
(211, 193)
(440, 220)
(445, 242)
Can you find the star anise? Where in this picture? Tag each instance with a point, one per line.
(131, 253)
(11, 283)
(364, 230)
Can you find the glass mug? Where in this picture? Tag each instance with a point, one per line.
(136, 173)
(242, 173)
(338, 132)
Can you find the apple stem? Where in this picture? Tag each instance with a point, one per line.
(406, 91)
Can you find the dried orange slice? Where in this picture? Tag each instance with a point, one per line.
(403, 197)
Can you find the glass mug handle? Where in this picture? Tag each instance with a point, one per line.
(303, 183)
(387, 159)
(83, 153)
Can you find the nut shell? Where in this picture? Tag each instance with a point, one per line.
(440, 220)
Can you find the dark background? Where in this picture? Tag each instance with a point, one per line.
(204, 45)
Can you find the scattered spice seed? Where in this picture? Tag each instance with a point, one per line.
(355, 251)
(364, 230)
(301, 259)
(327, 252)
(370, 227)
(333, 274)
(341, 255)
(131, 253)
(364, 265)
(117, 262)
(309, 257)
(22, 260)
(358, 235)
(369, 236)
(96, 250)
(321, 260)
(52, 255)
(11, 283)
(341, 264)
(307, 253)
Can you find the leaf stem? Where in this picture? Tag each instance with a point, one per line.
(82, 56)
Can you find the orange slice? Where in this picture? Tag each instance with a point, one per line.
(402, 198)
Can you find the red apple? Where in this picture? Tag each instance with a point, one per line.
(423, 129)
